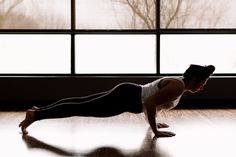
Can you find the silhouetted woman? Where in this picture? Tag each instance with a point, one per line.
(161, 94)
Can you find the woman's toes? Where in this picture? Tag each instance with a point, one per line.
(29, 119)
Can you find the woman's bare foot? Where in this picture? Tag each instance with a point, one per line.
(29, 119)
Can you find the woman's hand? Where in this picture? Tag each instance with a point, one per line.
(162, 125)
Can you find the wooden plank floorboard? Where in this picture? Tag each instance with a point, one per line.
(202, 133)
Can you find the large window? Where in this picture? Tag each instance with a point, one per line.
(115, 37)
(77, 37)
(197, 32)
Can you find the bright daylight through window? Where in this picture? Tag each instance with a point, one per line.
(197, 14)
(56, 47)
(34, 54)
(116, 36)
(209, 38)
(218, 50)
(116, 54)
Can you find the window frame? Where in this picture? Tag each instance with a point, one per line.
(191, 31)
(73, 32)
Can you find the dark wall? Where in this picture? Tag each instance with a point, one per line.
(23, 92)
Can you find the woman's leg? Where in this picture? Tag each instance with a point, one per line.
(114, 102)
(74, 100)
(93, 107)
(122, 98)
(30, 113)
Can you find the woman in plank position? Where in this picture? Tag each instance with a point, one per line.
(161, 94)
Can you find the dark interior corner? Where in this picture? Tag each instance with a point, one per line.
(24, 92)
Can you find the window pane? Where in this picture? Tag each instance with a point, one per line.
(116, 14)
(179, 51)
(34, 14)
(198, 14)
(115, 54)
(34, 54)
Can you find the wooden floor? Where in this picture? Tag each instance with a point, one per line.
(199, 133)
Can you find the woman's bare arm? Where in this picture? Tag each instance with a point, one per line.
(167, 93)
(151, 116)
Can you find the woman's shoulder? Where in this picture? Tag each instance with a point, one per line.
(176, 83)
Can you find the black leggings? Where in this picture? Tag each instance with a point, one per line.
(125, 97)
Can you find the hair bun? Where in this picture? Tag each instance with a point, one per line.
(199, 72)
(210, 69)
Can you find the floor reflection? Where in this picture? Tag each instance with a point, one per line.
(33, 142)
(149, 148)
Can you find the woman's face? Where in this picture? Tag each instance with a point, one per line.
(196, 87)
